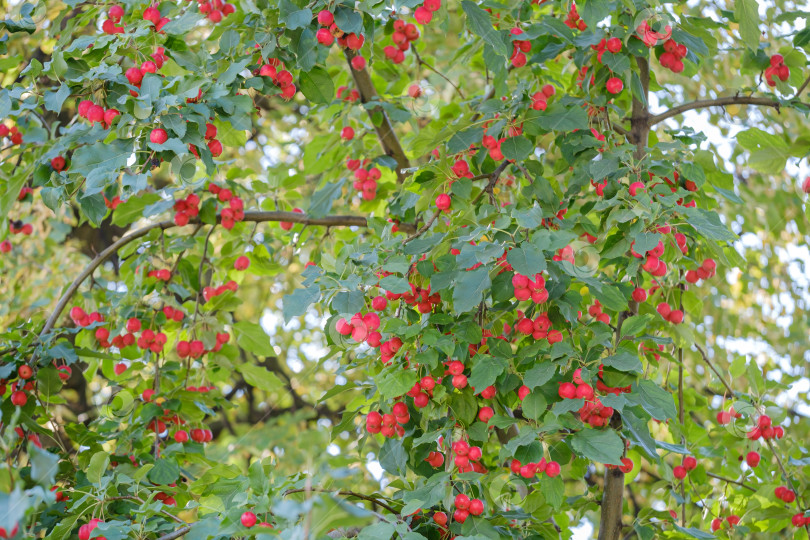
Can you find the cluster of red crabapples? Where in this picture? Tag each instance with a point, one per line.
(572, 19)
(419, 297)
(365, 180)
(326, 36)
(282, 78)
(778, 69)
(765, 430)
(530, 470)
(673, 56)
(96, 113)
(466, 507)
(467, 458)
(361, 327)
(706, 270)
(404, 34)
(540, 99)
(234, 212)
(612, 45)
(688, 464)
(596, 312)
(527, 288)
(388, 425)
(538, 328)
(519, 49)
(422, 391)
(13, 133)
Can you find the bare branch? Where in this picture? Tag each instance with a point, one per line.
(257, 217)
(385, 131)
(722, 102)
(716, 372)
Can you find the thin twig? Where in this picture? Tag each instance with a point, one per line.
(709, 363)
(436, 71)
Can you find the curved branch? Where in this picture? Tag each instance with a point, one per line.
(721, 102)
(385, 131)
(257, 217)
(345, 493)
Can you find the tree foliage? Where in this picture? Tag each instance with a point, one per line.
(403, 270)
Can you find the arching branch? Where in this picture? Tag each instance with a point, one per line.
(722, 102)
(256, 217)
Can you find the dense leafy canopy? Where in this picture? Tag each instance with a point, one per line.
(418, 269)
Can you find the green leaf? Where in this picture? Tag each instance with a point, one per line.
(132, 210)
(691, 532)
(553, 490)
(539, 375)
(747, 14)
(485, 370)
(768, 151)
(321, 202)
(164, 472)
(527, 259)
(395, 383)
(292, 17)
(100, 163)
(601, 446)
(708, 224)
(534, 405)
(632, 326)
(655, 400)
(97, 467)
(297, 303)
(393, 457)
(348, 20)
(517, 148)
(54, 100)
(480, 23)
(559, 117)
(611, 297)
(260, 377)
(44, 466)
(252, 337)
(624, 361)
(317, 86)
(464, 406)
(470, 288)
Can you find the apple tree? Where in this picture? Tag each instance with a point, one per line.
(421, 269)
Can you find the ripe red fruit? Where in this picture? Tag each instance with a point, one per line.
(149, 67)
(614, 85)
(476, 507)
(241, 263)
(133, 325)
(325, 17)
(181, 436)
(347, 133)
(675, 316)
(462, 502)
(723, 417)
(358, 63)
(248, 519)
(716, 524)
(552, 469)
(639, 295)
(119, 368)
(485, 414)
(325, 37)
(25, 372)
(689, 463)
(663, 309)
(215, 147)
(19, 398)
(806, 185)
(414, 91)
(115, 13)
(752, 458)
(58, 163)
(679, 472)
(764, 421)
(443, 202)
(524, 391)
(440, 518)
(421, 400)
(158, 136)
(614, 45)
(460, 515)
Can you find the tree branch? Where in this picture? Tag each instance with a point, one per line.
(730, 481)
(257, 217)
(385, 131)
(714, 369)
(721, 102)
